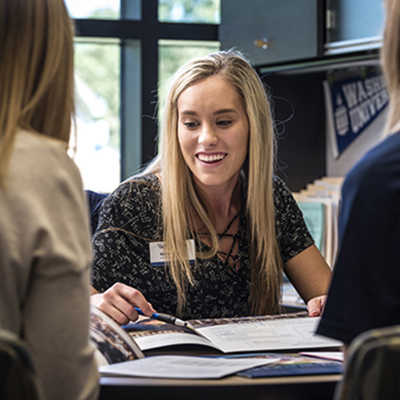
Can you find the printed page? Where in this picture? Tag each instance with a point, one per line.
(266, 334)
(183, 367)
(152, 334)
(148, 342)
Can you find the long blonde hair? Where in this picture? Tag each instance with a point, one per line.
(390, 55)
(179, 195)
(36, 72)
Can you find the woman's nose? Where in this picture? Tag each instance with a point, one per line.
(208, 136)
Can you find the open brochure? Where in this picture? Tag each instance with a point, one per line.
(119, 348)
(229, 335)
(113, 344)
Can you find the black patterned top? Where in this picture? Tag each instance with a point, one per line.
(131, 218)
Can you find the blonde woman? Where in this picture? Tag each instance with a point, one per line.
(45, 252)
(365, 287)
(207, 229)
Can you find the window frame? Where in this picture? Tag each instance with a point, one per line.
(139, 71)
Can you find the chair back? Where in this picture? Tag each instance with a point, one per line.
(95, 200)
(17, 375)
(372, 370)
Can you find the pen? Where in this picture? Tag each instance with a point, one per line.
(164, 317)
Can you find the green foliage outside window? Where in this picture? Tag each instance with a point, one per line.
(199, 11)
(98, 66)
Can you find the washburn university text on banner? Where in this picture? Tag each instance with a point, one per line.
(356, 102)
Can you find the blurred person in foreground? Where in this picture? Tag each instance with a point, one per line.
(45, 251)
(365, 291)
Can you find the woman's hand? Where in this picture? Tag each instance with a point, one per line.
(119, 301)
(316, 305)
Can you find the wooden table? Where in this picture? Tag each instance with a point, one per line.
(313, 387)
(310, 387)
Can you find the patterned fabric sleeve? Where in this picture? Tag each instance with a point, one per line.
(129, 220)
(291, 230)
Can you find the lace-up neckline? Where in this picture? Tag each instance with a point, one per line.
(231, 260)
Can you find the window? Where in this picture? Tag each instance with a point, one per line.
(97, 83)
(123, 50)
(201, 11)
(96, 9)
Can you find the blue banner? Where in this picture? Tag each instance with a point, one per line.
(356, 102)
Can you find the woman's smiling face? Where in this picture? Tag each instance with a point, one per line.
(213, 131)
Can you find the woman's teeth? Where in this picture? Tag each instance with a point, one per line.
(211, 158)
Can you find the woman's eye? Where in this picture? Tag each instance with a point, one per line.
(224, 123)
(190, 124)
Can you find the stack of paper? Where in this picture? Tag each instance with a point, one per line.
(319, 203)
(184, 367)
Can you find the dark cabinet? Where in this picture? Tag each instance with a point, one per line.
(281, 31)
(271, 31)
(354, 20)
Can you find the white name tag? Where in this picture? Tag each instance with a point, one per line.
(157, 255)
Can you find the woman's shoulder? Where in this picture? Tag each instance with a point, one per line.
(150, 180)
(37, 147)
(135, 205)
(43, 180)
(278, 183)
(280, 189)
(385, 154)
(377, 169)
(139, 184)
(39, 158)
(142, 191)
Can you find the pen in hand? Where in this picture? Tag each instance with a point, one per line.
(164, 317)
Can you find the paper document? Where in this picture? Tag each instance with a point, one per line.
(292, 333)
(182, 367)
(245, 334)
(170, 339)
